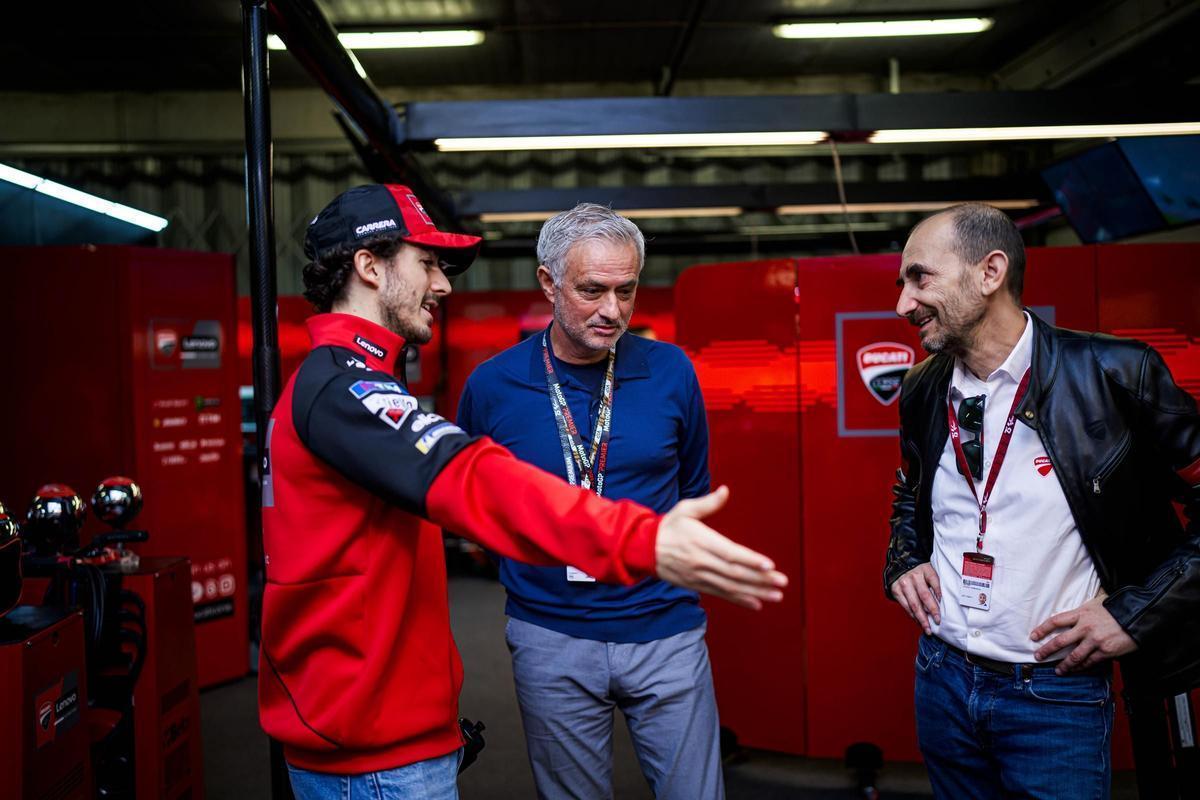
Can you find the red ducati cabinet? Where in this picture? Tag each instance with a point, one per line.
(799, 361)
(122, 360)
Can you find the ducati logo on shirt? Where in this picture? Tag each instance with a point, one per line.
(1042, 465)
(882, 366)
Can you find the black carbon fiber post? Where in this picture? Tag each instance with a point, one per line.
(260, 211)
(260, 218)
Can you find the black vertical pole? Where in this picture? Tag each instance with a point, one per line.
(1150, 735)
(260, 217)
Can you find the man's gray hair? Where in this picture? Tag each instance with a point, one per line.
(583, 222)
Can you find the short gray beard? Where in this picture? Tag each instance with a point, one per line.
(961, 339)
(576, 334)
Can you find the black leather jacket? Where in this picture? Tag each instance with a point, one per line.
(1125, 442)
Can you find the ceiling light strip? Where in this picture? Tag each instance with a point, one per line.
(396, 40)
(814, 228)
(914, 135)
(631, 213)
(900, 207)
(91, 202)
(626, 140)
(883, 28)
(667, 213)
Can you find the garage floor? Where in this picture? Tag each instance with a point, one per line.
(236, 758)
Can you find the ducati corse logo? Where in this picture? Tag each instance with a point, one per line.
(882, 366)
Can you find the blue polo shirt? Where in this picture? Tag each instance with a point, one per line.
(658, 453)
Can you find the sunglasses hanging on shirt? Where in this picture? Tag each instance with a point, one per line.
(970, 419)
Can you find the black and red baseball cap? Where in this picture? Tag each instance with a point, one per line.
(364, 211)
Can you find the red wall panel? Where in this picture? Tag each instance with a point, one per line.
(1152, 293)
(738, 324)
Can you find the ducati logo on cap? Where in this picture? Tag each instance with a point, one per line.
(882, 366)
(412, 198)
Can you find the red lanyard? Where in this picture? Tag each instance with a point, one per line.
(997, 461)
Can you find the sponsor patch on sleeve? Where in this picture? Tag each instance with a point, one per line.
(390, 407)
(435, 435)
(361, 389)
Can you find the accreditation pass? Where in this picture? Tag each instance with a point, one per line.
(976, 589)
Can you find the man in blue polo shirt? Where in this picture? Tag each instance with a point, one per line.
(623, 416)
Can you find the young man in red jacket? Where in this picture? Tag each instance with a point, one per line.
(359, 676)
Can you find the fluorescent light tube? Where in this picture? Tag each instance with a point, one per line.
(623, 140)
(891, 208)
(396, 40)
(23, 179)
(91, 202)
(672, 213)
(882, 28)
(631, 213)
(515, 216)
(813, 227)
(909, 135)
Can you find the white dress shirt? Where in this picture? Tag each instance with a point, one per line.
(1041, 566)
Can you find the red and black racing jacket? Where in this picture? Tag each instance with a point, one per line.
(358, 669)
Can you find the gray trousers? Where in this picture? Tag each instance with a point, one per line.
(567, 689)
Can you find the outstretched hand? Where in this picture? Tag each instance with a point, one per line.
(692, 555)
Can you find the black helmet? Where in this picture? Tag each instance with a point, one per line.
(10, 561)
(53, 520)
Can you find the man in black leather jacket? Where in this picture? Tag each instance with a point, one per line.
(1091, 567)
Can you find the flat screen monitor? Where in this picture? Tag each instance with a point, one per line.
(1102, 196)
(1169, 168)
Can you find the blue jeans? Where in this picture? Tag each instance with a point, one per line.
(568, 689)
(433, 779)
(988, 735)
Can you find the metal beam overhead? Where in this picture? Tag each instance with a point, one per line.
(849, 116)
(1108, 31)
(762, 197)
(732, 243)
